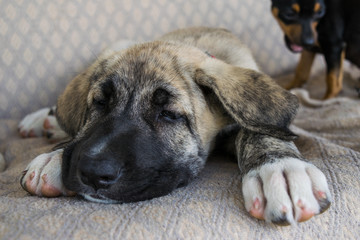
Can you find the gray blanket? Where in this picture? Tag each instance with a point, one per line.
(211, 207)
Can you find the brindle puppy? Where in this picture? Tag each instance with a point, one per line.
(143, 121)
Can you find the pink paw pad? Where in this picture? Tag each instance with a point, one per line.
(305, 213)
(257, 209)
(47, 124)
(23, 134)
(320, 195)
(29, 183)
(32, 133)
(47, 189)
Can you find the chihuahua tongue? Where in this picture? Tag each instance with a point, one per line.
(296, 48)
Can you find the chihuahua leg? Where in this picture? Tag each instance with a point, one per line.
(303, 69)
(334, 77)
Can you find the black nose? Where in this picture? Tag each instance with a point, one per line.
(98, 179)
(307, 35)
(99, 173)
(308, 40)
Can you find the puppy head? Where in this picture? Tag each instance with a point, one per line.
(298, 20)
(143, 120)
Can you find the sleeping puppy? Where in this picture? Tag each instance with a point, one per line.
(143, 120)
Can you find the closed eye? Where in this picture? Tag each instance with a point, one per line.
(170, 116)
(107, 89)
(100, 102)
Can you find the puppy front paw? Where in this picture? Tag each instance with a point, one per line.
(41, 123)
(52, 130)
(42, 176)
(32, 124)
(286, 191)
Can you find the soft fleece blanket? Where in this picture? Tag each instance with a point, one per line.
(211, 207)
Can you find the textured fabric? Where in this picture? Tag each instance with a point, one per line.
(212, 206)
(43, 44)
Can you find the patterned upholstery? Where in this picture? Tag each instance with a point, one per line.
(46, 43)
(43, 44)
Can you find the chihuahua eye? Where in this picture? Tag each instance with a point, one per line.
(289, 15)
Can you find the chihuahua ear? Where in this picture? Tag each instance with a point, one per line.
(71, 106)
(251, 98)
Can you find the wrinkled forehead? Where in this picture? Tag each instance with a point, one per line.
(141, 64)
(140, 71)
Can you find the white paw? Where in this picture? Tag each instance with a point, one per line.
(41, 123)
(42, 176)
(52, 130)
(286, 191)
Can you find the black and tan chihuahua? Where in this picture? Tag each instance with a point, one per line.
(330, 27)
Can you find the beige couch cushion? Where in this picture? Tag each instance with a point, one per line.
(46, 43)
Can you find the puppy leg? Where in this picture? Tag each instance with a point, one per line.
(277, 185)
(303, 69)
(42, 176)
(41, 123)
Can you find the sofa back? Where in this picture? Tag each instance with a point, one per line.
(43, 44)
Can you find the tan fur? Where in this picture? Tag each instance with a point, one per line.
(296, 7)
(178, 58)
(334, 79)
(293, 31)
(317, 7)
(153, 112)
(303, 69)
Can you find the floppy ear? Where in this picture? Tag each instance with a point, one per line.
(72, 105)
(251, 98)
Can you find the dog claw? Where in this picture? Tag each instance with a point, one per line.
(324, 204)
(24, 173)
(323, 200)
(49, 134)
(281, 220)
